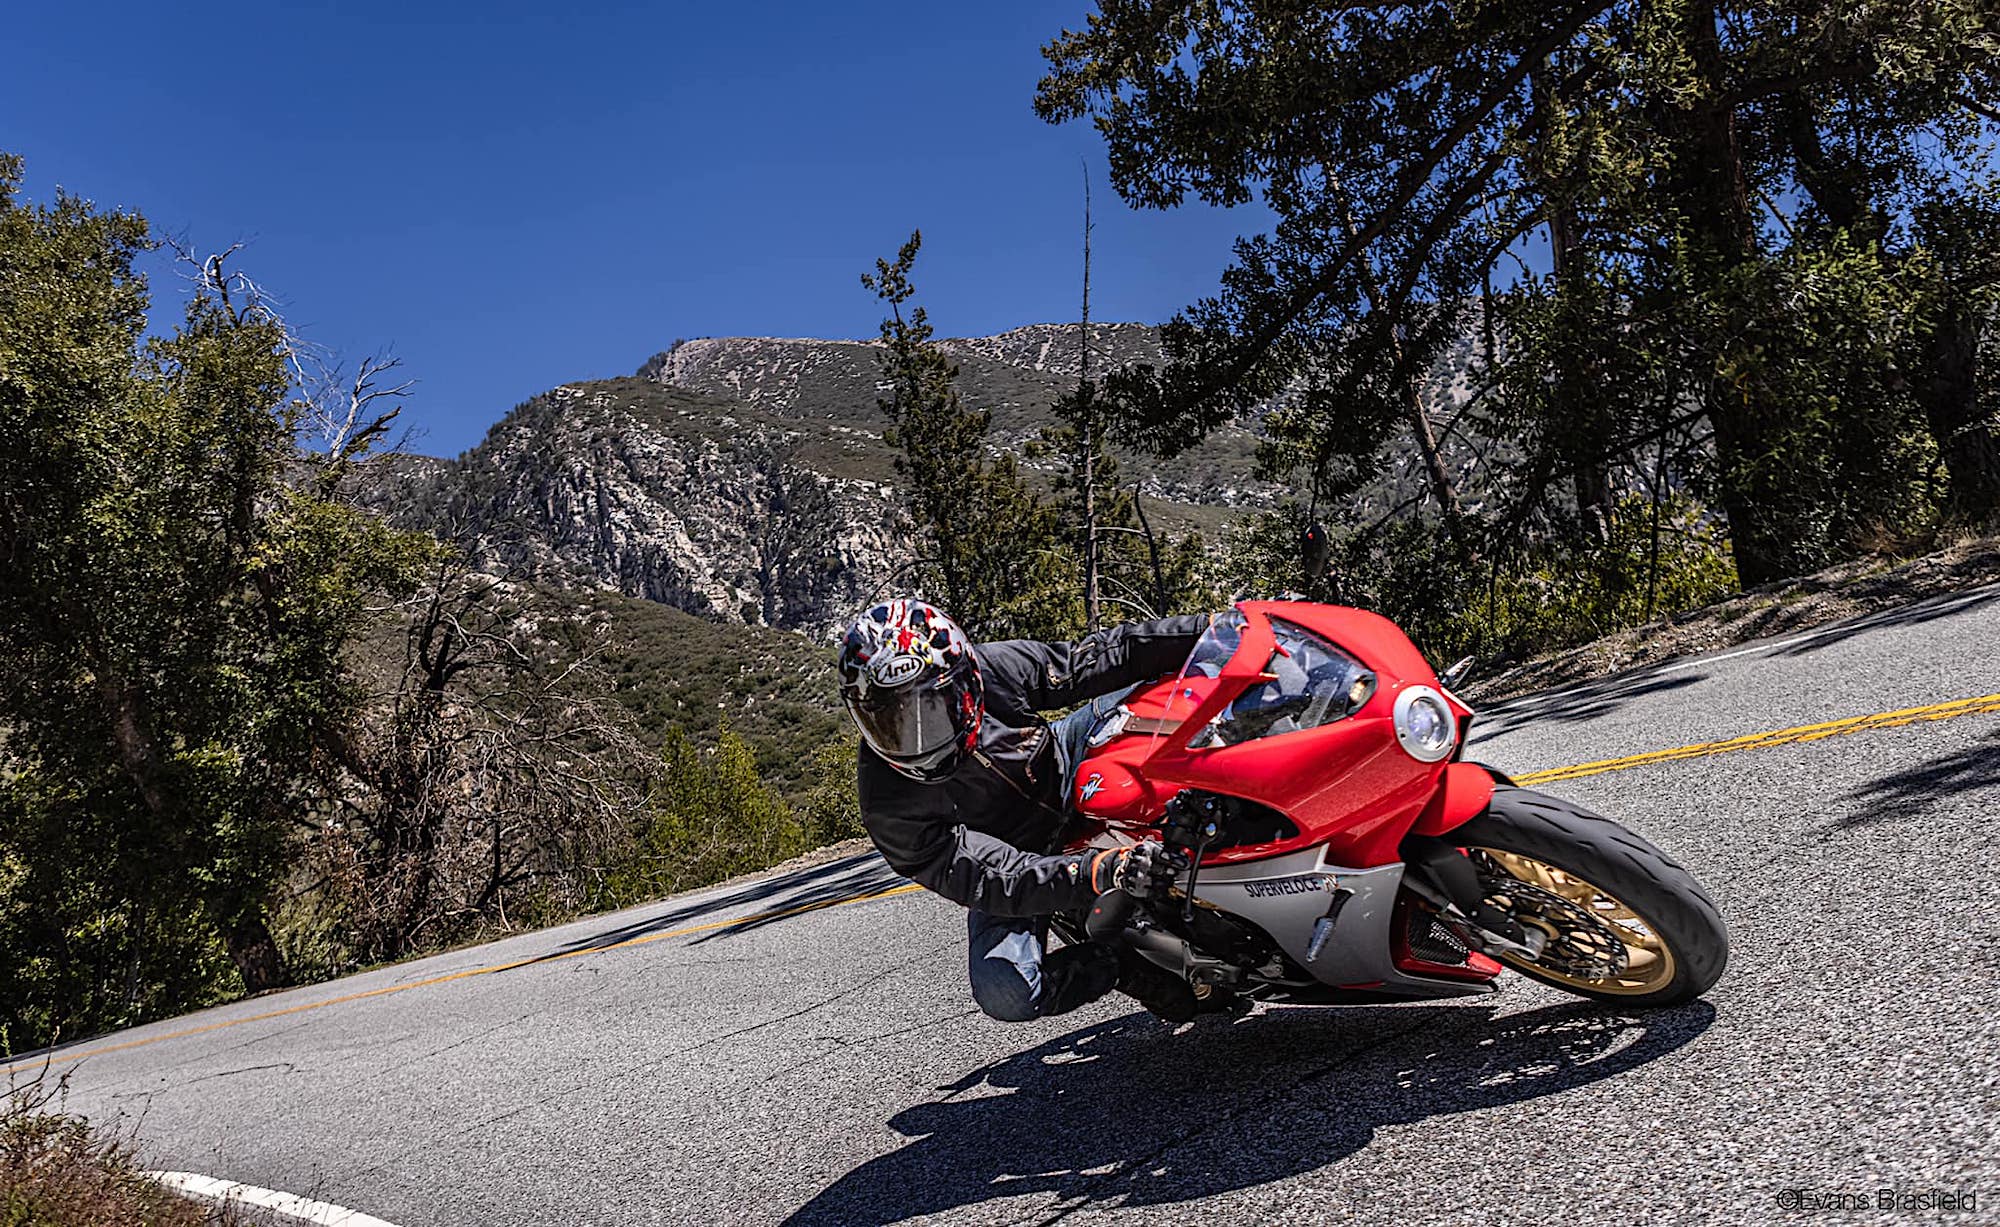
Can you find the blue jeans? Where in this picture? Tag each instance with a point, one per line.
(1015, 976)
(1072, 735)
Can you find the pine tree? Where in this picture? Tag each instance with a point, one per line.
(1707, 189)
(988, 549)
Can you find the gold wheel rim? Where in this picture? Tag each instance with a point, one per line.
(1649, 962)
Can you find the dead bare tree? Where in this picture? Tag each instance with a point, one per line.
(490, 776)
(348, 412)
(1086, 425)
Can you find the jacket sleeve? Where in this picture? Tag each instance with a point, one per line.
(917, 831)
(1052, 675)
(977, 870)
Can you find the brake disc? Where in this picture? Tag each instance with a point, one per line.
(1580, 944)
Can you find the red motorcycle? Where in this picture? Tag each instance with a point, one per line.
(1310, 765)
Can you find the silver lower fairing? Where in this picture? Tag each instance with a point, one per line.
(1287, 895)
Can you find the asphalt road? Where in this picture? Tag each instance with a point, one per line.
(827, 1066)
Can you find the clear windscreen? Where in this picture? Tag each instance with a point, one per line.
(1216, 645)
(1311, 683)
(1212, 651)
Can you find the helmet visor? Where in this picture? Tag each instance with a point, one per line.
(908, 723)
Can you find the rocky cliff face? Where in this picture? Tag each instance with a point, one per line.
(714, 508)
(745, 479)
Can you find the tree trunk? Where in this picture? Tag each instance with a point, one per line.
(1594, 503)
(124, 709)
(255, 953)
(1830, 188)
(1590, 479)
(1967, 439)
(1161, 603)
(1768, 533)
(1425, 434)
(1578, 415)
(1093, 611)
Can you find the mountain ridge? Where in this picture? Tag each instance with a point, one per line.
(746, 480)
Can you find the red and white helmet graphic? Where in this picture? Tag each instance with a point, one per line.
(908, 677)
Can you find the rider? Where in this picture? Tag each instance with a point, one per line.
(963, 790)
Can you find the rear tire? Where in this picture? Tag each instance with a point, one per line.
(1675, 944)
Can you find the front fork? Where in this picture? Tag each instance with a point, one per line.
(1446, 878)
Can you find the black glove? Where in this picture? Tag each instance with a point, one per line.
(1145, 871)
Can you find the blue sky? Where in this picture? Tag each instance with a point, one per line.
(513, 196)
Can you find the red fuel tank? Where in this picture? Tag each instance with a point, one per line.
(1110, 791)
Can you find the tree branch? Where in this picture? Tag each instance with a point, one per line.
(1303, 297)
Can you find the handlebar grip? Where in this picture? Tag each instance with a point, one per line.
(1108, 914)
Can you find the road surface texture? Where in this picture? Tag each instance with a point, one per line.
(773, 1052)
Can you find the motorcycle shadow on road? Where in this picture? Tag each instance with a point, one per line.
(1122, 1113)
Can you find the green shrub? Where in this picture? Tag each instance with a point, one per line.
(714, 817)
(57, 1170)
(1455, 596)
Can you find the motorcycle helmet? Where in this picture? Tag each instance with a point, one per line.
(908, 679)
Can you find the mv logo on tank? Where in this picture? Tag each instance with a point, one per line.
(891, 671)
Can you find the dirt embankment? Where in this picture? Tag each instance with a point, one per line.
(1853, 589)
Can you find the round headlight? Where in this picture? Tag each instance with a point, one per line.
(1425, 724)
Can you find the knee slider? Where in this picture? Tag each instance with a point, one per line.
(1002, 993)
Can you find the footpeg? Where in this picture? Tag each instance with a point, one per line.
(1323, 927)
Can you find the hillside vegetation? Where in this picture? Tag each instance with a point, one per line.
(1016, 376)
(672, 670)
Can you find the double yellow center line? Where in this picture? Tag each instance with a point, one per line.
(1765, 741)
(389, 989)
(1754, 741)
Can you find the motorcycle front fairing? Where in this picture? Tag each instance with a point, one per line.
(1346, 782)
(1340, 787)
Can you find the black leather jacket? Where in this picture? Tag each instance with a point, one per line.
(982, 836)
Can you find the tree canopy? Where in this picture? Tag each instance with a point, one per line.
(1717, 248)
(177, 588)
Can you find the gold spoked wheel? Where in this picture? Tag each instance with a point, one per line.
(1595, 941)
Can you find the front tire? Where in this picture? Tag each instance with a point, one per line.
(1623, 921)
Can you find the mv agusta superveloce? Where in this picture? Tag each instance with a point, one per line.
(1310, 765)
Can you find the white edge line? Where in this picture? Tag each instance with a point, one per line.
(1771, 645)
(1940, 607)
(223, 1192)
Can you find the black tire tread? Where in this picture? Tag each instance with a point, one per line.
(1568, 836)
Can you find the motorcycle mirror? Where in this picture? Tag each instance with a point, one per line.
(1314, 550)
(1457, 673)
